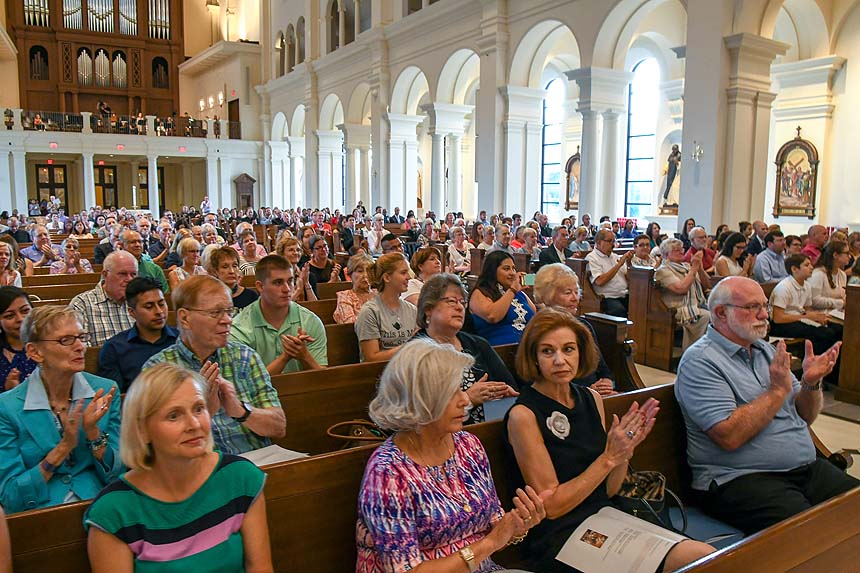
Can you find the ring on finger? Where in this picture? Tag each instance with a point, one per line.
(631, 434)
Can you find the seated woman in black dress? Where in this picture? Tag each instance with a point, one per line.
(556, 431)
(441, 312)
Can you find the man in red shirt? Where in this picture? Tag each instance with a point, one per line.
(817, 236)
(699, 242)
(319, 225)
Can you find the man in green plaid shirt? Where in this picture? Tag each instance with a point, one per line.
(245, 409)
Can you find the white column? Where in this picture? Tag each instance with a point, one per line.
(135, 182)
(589, 175)
(150, 125)
(455, 174)
(330, 165)
(210, 128)
(437, 178)
(402, 160)
(286, 176)
(89, 179)
(522, 125)
(225, 129)
(212, 182)
(611, 200)
(357, 18)
(7, 202)
(86, 117)
(152, 185)
(297, 176)
(19, 176)
(226, 180)
(364, 175)
(341, 25)
(274, 170)
(188, 185)
(351, 180)
(469, 196)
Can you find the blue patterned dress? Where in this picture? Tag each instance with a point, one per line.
(510, 329)
(409, 513)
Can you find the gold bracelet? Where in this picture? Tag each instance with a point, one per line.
(516, 539)
(467, 555)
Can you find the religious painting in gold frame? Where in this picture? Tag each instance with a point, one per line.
(572, 169)
(796, 178)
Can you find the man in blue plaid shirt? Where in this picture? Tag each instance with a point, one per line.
(246, 412)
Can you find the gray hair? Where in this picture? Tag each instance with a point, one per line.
(667, 245)
(72, 240)
(550, 278)
(432, 292)
(721, 294)
(698, 228)
(501, 226)
(35, 231)
(44, 319)
(455, 229)
(207, 253)
(417, 385)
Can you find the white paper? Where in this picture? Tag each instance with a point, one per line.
(836, 313)
(272, 455)
(612, 541)
(810, 322)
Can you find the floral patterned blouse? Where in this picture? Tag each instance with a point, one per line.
(59, 268)
(348, 305)
(409, 513)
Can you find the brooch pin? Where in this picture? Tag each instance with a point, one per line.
(559, 425)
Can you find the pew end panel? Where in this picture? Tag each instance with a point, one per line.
(618, 349)
(849, 371)
(342, 344)
(653, 323)
(590, 301)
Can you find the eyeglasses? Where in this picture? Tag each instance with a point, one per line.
(216, 313)
(68, 340)
(756, 307)
(453, 302)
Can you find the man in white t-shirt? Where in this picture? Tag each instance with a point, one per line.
(609, 273)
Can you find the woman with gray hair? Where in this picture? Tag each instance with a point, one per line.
(59, 428)
(427, 495)
(683, 286)
(459, 258)
(71, 263)
(441, 312)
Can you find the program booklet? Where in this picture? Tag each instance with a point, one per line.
(611, 541)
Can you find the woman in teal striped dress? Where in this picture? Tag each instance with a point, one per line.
(182, 506)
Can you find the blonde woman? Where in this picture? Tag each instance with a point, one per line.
(9, 276)
(349, 302)
(556, 286)
(291, 249)
(386, 321)
(20, 263)
(189, 251)
(459, 255)
(217, 512)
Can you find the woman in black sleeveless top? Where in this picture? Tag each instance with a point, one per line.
(556, 433)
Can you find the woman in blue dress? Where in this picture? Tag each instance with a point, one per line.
(500, 308)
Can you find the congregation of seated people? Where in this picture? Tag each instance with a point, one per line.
(197, 393)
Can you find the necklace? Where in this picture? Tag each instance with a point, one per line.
(442, 474)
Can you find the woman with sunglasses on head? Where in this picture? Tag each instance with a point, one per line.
(15, 365)
(441, 312)
(59, 429)
(189, 249)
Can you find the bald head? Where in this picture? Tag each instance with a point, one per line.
(760, 228)
(817, 235)
(738, 308)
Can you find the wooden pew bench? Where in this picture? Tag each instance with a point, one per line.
(589, 301)
(311, 506)
(49, 280)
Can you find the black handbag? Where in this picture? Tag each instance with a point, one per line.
(644, 494)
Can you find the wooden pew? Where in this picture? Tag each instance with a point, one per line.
(323, 308)
(653, 322)
(311, 506)
(342, 344)
(48, 280)
(41, 271)
(329, 290)
(589, 301)
(849, 369)
(522, 261)
(60, 291)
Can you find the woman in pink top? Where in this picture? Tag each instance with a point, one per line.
(349, 302)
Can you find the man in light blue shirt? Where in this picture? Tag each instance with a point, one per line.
(770, 263)
(747, 416)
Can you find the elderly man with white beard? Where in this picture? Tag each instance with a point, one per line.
(747, 416)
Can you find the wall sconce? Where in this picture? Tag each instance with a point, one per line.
(202, 105)
(220, 99)
(211, 102)
(698, 152)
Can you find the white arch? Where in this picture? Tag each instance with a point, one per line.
(410, 87)
(632, 17)
(331, 112)
(545, 41)
(358, 108)
(459, 72)
(280, 129)
(298, 122)
(811, 34)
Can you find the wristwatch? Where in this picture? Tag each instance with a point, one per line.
(247, 413)
(467, 555)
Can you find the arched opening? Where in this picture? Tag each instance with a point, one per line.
(160, 76)
(85, 67)
(291, 48)
(349, 21)
(120, 77)
(642, 110)
(552, 168)
(333, 27)
(365, 17)
(411, 6)
(38, 63)
(300, 40)
(280, 55)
